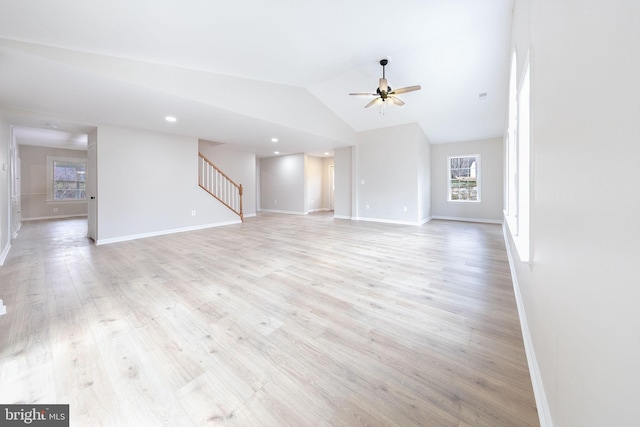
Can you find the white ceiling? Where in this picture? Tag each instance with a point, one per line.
(242, 72)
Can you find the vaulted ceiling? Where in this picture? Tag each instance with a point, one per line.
(243, 72)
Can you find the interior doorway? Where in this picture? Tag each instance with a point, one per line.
(49, 166)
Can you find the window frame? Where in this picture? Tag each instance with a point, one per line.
(518, 159)
(478, 178)
(51, 160)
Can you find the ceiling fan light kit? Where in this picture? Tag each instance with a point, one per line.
(384, 94)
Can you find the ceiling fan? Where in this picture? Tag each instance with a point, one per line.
(384, 94)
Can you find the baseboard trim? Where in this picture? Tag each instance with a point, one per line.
(544, 413)
(390, 221)
(163, 232)
(341, 216)
(283, 212)
(40, 218)
(455, 218)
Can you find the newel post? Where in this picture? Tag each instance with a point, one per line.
(240, 192)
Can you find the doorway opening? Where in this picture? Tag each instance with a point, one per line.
(49, 172)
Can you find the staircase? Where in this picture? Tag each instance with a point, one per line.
(215, 182)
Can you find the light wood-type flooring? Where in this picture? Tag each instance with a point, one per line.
(284, 320)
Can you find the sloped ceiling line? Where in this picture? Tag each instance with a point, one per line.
(284, 65)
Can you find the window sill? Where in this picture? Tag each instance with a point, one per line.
(520, 242)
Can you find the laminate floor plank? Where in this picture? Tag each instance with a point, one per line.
(282, 320)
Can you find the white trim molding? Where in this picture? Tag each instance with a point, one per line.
(163, 232)
(477, 170)
(283, 212)
(391, 221)
(455, 218)
(39, 218)
(544, 412)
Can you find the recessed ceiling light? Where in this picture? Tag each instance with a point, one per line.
(51, 125)
(326, 153)
(276, 152)
(274, 139)
(170, 119)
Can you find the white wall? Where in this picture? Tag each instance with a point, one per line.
(298, 183)
(424, 181)
(491, 181)
(282, 184)
(314, 183)
(581, 290)
(343, 182)
(148, 185)
(390, 163)
(238, 165)
(34, 180)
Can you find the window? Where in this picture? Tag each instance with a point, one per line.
(511, 155)
(66, 179)
(464, 178)
(518, 159)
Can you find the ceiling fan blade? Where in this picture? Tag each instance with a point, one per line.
(405, 90)
(383, 85)
(364, 94)
(396, 101)
(375, 101)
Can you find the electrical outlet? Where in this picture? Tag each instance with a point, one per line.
(193, 213)
(366, 207)
(55, 210)
(404, 209)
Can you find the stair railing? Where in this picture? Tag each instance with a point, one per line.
(219, 185)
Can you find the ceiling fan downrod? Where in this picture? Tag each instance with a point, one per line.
(383, 88)
(383, 62)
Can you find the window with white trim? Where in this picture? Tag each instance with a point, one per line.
(464, 178)
(66, 179)
(511, 154)
(518, 159)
